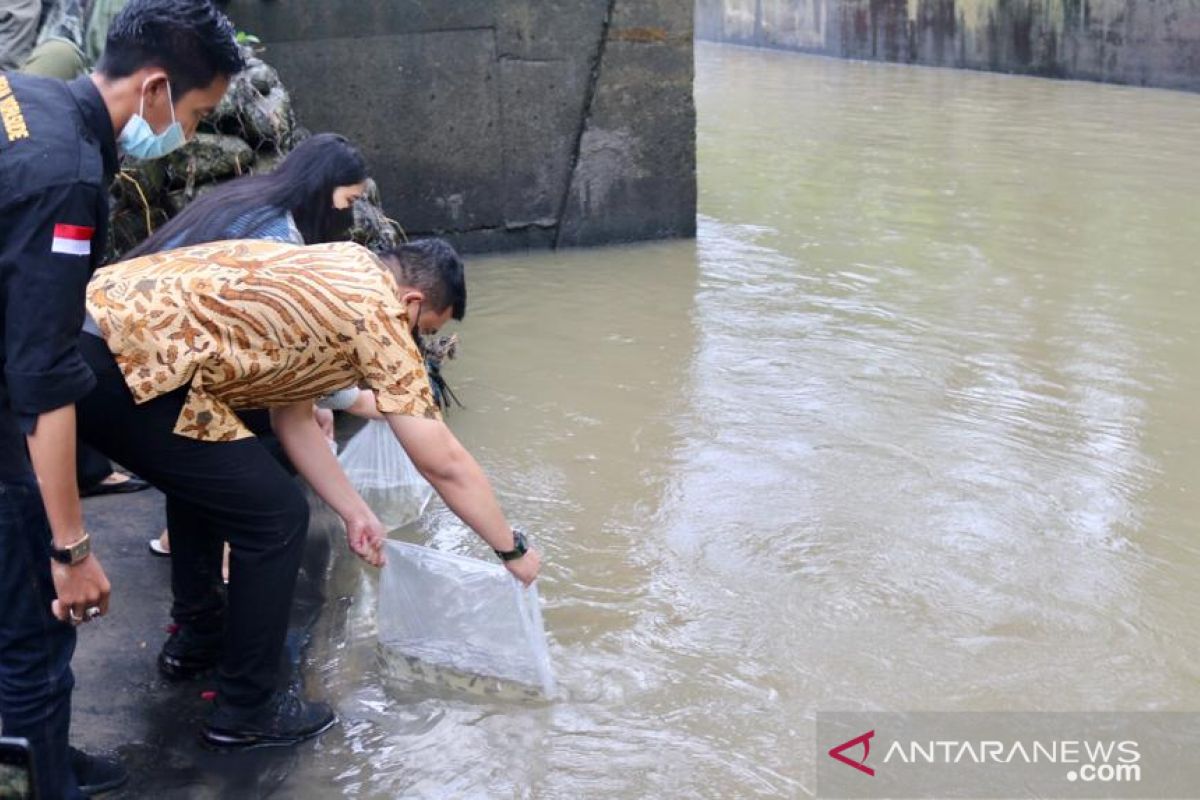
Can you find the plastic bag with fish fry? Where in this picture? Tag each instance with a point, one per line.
(463, 616)
(382, 473)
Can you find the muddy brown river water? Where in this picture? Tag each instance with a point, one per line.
(912, 425)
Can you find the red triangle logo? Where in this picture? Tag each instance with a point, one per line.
(865, 741)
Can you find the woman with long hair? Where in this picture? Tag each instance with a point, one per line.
(306, 200)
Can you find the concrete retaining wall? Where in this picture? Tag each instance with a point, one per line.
(502, 123)
(1142, 42)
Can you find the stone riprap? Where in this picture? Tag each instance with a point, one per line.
(505, 123)
(250, 132)
(1140, 42)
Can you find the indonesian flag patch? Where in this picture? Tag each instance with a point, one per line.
(72, 240)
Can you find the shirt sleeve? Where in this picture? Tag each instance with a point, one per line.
(47, 264)
(390, 364)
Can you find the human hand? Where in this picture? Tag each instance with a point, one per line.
(79, 588)
(526, 568)
(324, 418)
(365, 535)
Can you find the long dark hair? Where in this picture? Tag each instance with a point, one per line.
(303, 184)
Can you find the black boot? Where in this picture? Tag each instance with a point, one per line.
(285, 719)
(96, 774)
(190, 653)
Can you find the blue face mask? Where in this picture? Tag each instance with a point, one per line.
(139, 140)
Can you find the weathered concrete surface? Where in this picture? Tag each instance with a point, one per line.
(505, 123)
(628, 155)
(1141, 42)
(122, 704)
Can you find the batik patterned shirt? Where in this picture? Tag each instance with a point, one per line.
(254, 324)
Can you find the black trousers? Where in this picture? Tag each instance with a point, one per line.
(91, 467)
(216, 491)
(35, 648)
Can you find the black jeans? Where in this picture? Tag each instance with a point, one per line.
(216, 491)
(35, 648)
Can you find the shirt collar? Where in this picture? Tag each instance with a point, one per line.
(97, 119)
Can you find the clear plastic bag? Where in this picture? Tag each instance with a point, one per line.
(464, 623)
(383, 474)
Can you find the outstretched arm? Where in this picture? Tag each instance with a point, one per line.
(459, 479)
(308, 449)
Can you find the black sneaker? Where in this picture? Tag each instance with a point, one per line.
(96, 774)
(189, 654)
(283, 720)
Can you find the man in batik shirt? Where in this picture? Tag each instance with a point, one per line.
(181, 341)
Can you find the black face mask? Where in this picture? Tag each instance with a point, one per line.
(338, 222)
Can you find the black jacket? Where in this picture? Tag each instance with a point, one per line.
(57, 158)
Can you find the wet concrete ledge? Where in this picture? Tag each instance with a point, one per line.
(121, 703)
(1139, 43)
(502, 124)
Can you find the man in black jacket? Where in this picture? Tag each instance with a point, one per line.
(166, 65)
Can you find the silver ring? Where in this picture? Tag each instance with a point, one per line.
(92, 613)
(75, 618)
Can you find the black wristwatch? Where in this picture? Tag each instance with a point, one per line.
(520, 548)
(72, 554)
